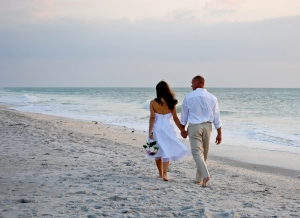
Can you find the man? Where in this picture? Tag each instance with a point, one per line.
(200, 109)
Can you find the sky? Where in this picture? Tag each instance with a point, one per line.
(137, 43)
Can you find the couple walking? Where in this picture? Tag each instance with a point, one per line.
(199, 109)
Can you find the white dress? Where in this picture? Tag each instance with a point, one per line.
(165, 136)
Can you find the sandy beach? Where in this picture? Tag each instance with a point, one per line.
(58, 167)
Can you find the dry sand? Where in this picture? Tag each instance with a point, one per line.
(57, 167)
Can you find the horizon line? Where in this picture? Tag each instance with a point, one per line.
(147, 87)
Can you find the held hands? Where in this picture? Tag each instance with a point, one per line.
(184, 134)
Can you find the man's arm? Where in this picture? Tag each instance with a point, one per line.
(217, 123)
(184, 113)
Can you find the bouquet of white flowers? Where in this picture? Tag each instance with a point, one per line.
(151, 148)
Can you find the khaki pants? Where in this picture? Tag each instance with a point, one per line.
(199, 135)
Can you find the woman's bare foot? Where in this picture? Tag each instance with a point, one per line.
(165, 178)
(165, 170)
(198, 183)
(205, 182)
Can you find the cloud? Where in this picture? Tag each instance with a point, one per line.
(215, 7)
(18, 11)
(43, 9)
(275, 39)
(210, 4)
(210, 11)
(181, 14)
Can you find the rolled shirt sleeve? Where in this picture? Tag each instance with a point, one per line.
(217, 117)
(184, 112)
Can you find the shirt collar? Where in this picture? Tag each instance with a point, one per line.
(201, 89)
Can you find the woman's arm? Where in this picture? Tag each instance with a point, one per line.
(176, 120)
(151, 120)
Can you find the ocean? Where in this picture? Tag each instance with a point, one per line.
(261, 118)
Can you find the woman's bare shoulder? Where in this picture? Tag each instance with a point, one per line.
(153, 102)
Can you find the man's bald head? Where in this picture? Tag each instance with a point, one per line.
(198, 82)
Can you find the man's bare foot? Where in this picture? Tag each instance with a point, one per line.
(160, 176)
(205, 182)
(165, 178)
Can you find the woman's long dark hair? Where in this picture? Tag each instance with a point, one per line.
(163, 91)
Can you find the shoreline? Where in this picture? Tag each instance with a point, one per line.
(262, 160)
(257, 167)
(257, 136)
(59, 167)
(268, 161)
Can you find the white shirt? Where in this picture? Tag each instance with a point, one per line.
(199, 106)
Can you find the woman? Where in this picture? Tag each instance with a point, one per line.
(162, 108)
